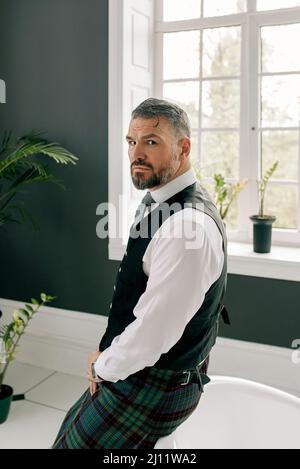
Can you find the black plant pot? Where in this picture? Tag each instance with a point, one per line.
(6, 395)
(262, 233)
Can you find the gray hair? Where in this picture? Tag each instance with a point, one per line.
(175, 115)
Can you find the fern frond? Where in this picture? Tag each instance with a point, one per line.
(18, 168)
(7, 139)
(29, 146)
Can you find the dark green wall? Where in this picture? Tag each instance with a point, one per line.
(54, 59)
(262, 310)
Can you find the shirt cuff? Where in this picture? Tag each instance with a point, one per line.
(101, 369)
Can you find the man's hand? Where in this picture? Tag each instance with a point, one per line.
(92, 358)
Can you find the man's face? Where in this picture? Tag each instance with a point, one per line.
(154, 152)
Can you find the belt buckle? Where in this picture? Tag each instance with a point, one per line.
(188, 378)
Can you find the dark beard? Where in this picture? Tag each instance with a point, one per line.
(155, 179)
(152, 181)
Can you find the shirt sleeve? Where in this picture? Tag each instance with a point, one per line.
(181, 270)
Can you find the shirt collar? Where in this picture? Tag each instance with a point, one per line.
(173, 187)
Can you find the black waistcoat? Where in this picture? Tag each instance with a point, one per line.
(200, 333)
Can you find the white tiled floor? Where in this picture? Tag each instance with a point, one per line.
(34, 423)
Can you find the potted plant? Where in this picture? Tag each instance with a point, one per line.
(262, 223)
(226, 193)
(10, 334)
(20, 165)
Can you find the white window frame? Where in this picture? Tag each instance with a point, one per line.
(282, 262)
(250, 23)
(121, 90)
(272, 18)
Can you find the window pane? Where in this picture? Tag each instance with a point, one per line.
(220, 154)
(221, 104)
(282, 201)
(232, 216)
(281, 101)
(186, 95)
(284, 147)
(223, 7)
(276, 4)
(278, 42)
(177, 62)
(175, 10)
(221, 51)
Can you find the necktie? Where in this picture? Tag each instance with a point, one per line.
(145, 204)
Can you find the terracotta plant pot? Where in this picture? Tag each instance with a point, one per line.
(262, 233)
(6, 395)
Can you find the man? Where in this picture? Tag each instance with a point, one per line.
(149, 372)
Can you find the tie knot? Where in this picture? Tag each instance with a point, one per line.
(148, 199)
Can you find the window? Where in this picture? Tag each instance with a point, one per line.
(236, 72)
(279, 136)
(263, 5)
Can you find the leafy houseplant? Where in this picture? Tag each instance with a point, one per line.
(10, 334)
(20, 166)
(225, 194)
(262, 223)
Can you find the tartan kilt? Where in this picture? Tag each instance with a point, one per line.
(132, 413)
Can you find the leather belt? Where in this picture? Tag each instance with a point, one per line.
(186, 376)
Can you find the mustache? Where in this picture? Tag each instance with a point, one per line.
(141, 165)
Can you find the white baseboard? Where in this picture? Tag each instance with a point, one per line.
(57, 339)
(61, 340)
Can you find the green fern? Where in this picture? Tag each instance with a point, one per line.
(18, 168)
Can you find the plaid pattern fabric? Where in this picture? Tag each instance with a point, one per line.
(132, 413)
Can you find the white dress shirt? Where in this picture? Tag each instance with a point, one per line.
(183, 259)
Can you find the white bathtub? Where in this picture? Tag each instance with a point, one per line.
(237, 413)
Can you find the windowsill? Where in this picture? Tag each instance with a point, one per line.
(281, 263)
